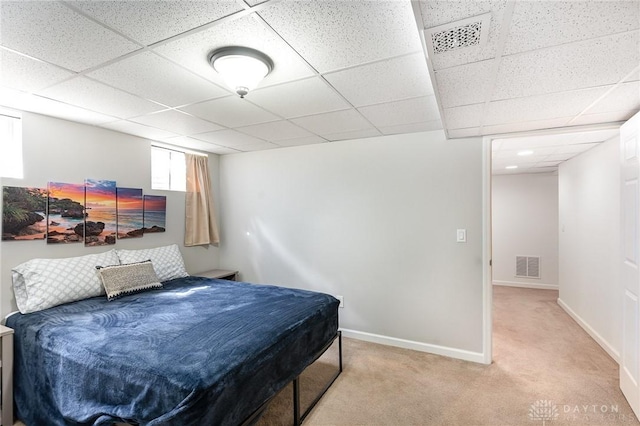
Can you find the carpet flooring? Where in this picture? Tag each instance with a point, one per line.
(546, 370)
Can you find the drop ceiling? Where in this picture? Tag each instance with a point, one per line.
(343, 69)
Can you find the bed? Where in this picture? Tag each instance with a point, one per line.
(197, 351)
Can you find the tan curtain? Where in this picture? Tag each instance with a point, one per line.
(200, 219)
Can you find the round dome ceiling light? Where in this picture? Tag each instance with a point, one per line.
(241, 68)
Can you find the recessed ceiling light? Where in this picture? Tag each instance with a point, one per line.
(511, 167)
(526, 152)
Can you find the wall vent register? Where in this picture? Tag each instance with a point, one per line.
(528, 266)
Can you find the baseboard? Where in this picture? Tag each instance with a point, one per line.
(418, 346)
(591, 332)
(527, 285)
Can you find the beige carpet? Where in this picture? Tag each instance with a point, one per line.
(540, 354)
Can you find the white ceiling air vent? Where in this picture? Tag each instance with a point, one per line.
(528, 266)
(456, 35)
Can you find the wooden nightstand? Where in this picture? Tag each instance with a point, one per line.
(221, 274)
(6, 366)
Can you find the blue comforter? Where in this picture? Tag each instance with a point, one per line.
(198, 352)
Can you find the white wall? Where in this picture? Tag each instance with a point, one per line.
(525, 223)
(62, 151)
(590, 288)
(373, 220)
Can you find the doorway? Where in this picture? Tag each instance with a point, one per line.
(523, 258)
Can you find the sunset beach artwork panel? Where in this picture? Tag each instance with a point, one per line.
(65, 213)
(100, 226)
(130, 213)
(155, 213)
(23, 213)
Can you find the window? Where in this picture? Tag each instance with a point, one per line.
(168, 169)
(10, 147)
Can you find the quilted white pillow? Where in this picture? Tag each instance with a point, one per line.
(43, 283)
(167, 260)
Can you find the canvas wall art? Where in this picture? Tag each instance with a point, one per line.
(100, 225)
(155, 213)
(23, 213)
(65, 213)
(96, 213)
(130, 212)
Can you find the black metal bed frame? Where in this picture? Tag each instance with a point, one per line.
(298, 418)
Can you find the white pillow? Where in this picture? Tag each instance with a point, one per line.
(43, 283)
(167, 260)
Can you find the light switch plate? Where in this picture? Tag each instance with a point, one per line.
(461, 236)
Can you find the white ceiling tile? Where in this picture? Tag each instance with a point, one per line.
(89, 94)
(33, 103)
(464, 116)
(231, 111)
(56, 34)
(540, 24)
(147, 74)
(542, 107)
(542, 170)
(390, 80)
(607, 117)
(259, 146)
(411, 128)
(298, 98)
(582, 147)
(187, 142)
(465, 84)
(192, 51)
(440, 12)
(138, 130)
(338, 34)
(635, 75)
(554, 140)
(221, 150)
(402, 112)
(525, 126)
(28, 74)
(228, 138)
(255, 2)
(559, 157)
(354, 134)
(302, 141)
(464, 133)
(625, 97)
(333, 122)
(548, 163)
(177, 122)
(151, 21)
(275, 131)
(590, 63)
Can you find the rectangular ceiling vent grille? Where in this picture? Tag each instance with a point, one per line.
(455, 35)
(528, 266)
(455, 38)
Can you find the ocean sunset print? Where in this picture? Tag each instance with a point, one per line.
(100, 224)
(130, 213)
(155, 213)
(65, 213)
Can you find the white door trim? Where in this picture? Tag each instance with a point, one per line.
(487, 275)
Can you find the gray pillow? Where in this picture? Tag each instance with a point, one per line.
(119, 280)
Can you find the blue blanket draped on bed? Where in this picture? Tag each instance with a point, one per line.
(198, 352)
